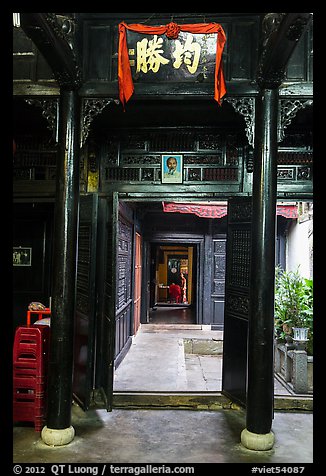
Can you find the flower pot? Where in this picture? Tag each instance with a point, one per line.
(300, 337)
(300, 333)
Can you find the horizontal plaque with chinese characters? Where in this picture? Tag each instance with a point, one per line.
(190, 57)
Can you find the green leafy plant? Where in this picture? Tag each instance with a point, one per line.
(293, 304)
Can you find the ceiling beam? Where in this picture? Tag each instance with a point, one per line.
(281, 33)
(49, 37)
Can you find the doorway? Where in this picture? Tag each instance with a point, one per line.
(164, 354)
(180, 347)
(173, 268)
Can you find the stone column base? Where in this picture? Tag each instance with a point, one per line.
(256, 441)
(57, 437)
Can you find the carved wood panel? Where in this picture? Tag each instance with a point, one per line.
(123, 291)
(218, 282)
(237, 285)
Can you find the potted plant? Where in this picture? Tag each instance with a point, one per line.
(294, 307)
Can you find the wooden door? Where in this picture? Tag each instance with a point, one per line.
(218, 282)
(237, 287)
(107, 275)
(124, 297)
(85, 301)
(137, 280)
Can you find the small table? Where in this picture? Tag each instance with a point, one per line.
(46, 311)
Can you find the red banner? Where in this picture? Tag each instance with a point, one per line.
(220, 211)
(201, 210)
(171, 30)
(287, 211)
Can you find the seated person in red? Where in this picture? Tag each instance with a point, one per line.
(175, 292)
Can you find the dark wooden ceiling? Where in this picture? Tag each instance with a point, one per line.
(169, 113)
(181, 111)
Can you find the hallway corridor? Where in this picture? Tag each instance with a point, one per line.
(163, 357)
(157, 361)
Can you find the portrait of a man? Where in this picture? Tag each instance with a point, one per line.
(171, 168)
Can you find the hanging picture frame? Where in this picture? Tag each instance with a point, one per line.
(22, 256)
(172, 168)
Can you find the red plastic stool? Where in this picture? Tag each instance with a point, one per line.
(30, 362)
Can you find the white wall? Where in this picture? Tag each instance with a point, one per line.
(299, 247)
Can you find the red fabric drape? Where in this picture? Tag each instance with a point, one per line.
(126, 86)
(219, 211)
(201, 210)
(287, 211)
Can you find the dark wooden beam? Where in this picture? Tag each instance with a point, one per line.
(281, 33)
(49, 37)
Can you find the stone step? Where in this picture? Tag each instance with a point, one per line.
(203, 346)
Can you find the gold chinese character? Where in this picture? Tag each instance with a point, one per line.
(149, 55)
(188, 54)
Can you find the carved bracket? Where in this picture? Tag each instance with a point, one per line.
(287, 110)
(246, 107)
(50, 111)
(90, 109)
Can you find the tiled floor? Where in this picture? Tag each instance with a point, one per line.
(157, 436)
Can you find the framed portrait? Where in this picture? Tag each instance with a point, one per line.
(22, 256)
(172, 168)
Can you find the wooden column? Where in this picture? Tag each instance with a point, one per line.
(260, 377)
(281, 32)
(59, 49)
(64, 265)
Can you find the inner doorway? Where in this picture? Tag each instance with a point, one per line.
(164, 354)
(173, 278)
